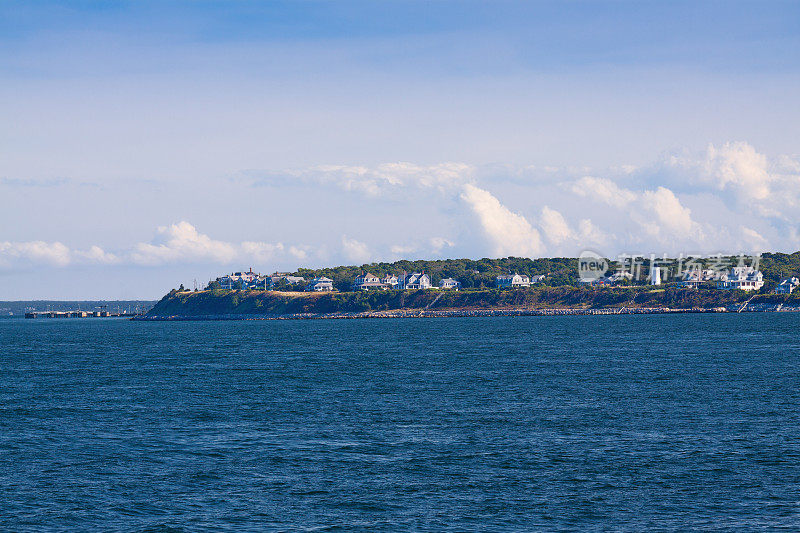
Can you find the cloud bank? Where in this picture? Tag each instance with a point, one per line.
(728, 198)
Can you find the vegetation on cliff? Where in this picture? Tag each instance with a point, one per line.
(559, 271)
(230, 302)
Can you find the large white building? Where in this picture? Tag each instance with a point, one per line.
(512, 281)
(744, 278)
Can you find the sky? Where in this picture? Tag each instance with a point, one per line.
(148, 144)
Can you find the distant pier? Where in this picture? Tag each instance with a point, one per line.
(77, 314)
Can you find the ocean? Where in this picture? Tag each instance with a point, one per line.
(573, 423)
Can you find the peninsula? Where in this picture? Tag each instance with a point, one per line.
(490, 287)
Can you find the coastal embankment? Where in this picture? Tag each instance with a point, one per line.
(539, 301)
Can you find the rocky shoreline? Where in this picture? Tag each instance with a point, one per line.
(427, 313)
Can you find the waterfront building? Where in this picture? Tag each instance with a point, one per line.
(513, 281)
(415, 281)
(367, 282)
(321, 284)
(744, 278)
(239, 280)
(390, 281)
(694, 277)
(787, 285)
(291, 280)
(450, 284)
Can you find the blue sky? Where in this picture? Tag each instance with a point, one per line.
(145, 144)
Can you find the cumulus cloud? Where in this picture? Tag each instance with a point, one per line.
(376, 180)
(554, 226)
(739, 175)
(603, 190)
(95, 254)
(354, 250)
(173, 244)
(508, 233)
(666, 214)
(438, 244)
(49, 253)
(182, 242)
(727, 197)
(398, 250)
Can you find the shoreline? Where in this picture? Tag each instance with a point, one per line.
(465, 313)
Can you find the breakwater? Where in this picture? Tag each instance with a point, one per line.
(439, 313)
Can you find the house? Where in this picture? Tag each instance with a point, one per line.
(744, 278)
(367, 282)
(787, 285)
(321, 284)
(538, 279)
(512, 281)
(694, 277)
(390, 281)
(614, 278)
(449, 284)
(291, 280)
(622, 275)
(239, 280)
(415, 281)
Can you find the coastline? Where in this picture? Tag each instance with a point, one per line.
(465, 313)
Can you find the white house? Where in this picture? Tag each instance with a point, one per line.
(415, 281)
(390, 281)
(450, 284)
(745, 278)
(787, 285)
(239, 280)
(366, 282)
(513, 280)
(694, 277)
(270, 281)
(321, 284)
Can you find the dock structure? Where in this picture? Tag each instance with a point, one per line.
(77, 314)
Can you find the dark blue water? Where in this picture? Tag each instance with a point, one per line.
(537, 423)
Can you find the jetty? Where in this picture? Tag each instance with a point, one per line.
(77, 314)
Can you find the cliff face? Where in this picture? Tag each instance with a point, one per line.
(273, 303)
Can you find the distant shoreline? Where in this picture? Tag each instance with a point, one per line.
(454, 313)
(539, 301)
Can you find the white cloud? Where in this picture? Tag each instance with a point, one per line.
(603, 190)
(508, 233)
(723, 198)
(440, 243)
(354, 250)
(753, 241)
(400, 250)
(95, 254)
(664, 212)
(590, 234)
(738, 166)
(380, 179)
(36, 252)
(54, 254)
(182, 242)
(178, 243)
(554, 226)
